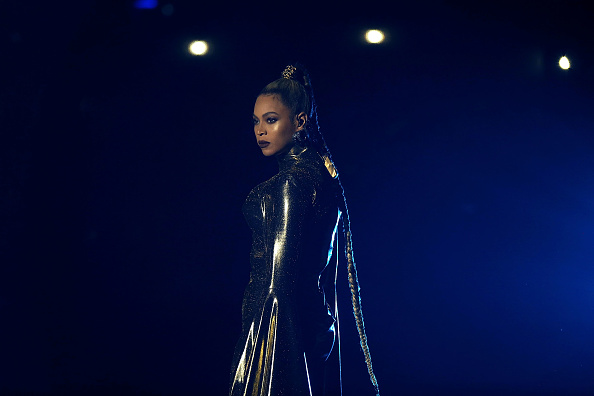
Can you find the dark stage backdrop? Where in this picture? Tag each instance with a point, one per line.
(465, 151)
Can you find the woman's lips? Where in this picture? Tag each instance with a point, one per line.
(263, 143)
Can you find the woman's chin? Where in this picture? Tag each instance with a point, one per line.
(267, 152)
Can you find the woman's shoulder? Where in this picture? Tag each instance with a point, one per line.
(310, 174)
(307, 170)
(294, 178)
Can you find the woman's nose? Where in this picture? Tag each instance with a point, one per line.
(260, 131)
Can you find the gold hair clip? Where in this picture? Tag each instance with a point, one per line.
(288, 72)
(330, 166)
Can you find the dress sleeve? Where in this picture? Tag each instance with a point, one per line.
(291, 208)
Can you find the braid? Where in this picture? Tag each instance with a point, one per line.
(355, 289)
(317, 137)
(295, 90)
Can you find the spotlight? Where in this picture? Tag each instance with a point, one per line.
(564, 63)
(374, 36)
(198, 47)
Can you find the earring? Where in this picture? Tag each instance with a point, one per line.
(298, 136)
(302, 134)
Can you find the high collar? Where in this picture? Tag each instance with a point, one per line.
(291, 157)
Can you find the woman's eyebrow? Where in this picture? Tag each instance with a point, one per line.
(266, 114)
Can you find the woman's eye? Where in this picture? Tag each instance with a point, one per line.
(271, 120)
(254, 121)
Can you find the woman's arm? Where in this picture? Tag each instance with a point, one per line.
(291, 208)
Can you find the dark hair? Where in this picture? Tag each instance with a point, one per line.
(293, 88)
(295, 91)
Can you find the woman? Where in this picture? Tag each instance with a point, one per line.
(289, 308)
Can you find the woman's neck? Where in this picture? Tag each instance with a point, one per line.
(288, 157)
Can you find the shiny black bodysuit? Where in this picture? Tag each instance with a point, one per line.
(288, 314)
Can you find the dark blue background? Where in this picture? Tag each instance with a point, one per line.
(465, 152)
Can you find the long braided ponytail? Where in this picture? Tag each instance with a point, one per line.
(355, 292)
(295, 91)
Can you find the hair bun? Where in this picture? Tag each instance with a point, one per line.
(289, 72)
(297, 72)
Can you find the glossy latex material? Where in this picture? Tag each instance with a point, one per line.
(288, 308)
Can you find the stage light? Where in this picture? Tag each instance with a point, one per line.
(564, 63)
(146, 4)
(374, 36)
(198, 47)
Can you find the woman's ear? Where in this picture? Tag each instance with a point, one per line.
(301, 120)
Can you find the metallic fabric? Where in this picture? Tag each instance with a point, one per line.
(288, 313)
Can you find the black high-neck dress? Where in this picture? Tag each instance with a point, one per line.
(288, 313)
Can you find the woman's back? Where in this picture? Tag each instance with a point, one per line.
(286, 319)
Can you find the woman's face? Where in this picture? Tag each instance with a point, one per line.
(273, 125)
